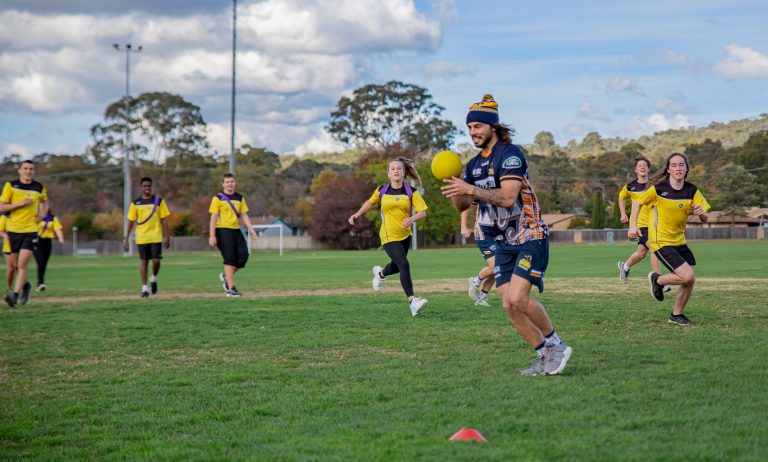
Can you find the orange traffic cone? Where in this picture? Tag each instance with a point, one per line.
(468, 434)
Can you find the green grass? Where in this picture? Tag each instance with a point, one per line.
(89, 371)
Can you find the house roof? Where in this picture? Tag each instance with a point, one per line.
(718, 216)
(554, 218)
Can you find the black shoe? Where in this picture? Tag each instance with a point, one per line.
(657, 290)
(24, 297)
(144, 294)
(679, 319)
(223, 279)
(11, 298)
(233, 292)
(154, 287)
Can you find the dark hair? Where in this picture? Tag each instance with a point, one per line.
(27, 162)
(146, 178)
(409, 166)
(504, 133)
(642, 159)
(664, 175)
(224, 176)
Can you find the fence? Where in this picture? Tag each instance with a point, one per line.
(198, 243)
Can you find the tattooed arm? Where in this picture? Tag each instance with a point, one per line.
(463, 194)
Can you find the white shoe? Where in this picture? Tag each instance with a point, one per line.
(417, 304)
(378, 281)
(482, 302)
(40, 288)
(474, 289)
(667, 288)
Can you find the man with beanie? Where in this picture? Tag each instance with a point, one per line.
(508, 210)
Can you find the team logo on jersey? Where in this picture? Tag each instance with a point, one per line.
(512, 162)
(664, 194)
(477, 172)
(679, 206)
(397, 199)
(490, 171)
(525, 262)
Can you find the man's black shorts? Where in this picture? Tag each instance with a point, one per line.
(151, 251)
(674, 257)
(643, 239)
(233, 247)
(22, 241)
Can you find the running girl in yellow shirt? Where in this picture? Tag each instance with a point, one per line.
(398, 200)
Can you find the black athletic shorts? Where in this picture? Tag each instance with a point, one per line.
(643, 239)
(22, 241)
(233, 247)
(674, 257)
(151, 251)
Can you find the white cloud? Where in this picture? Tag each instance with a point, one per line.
(742, 63)
(443, 69)
(622, 85)
(445, 10)
(294, 58)
(591, 112)
(638, 126)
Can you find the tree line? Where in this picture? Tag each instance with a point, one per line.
(315, 194)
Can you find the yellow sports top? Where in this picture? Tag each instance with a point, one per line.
(396, 207)
(633, 191)
(6, 242)
(227, 216)
(149, 229)
(670, 209)
(48, 231)
(23, 219)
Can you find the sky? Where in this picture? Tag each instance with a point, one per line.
(623, 69)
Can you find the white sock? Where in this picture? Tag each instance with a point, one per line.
(482, 295)
(153, 278)
(144, 288)
(476, 280)
(625, 267)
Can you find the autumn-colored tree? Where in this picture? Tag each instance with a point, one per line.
(333, 205)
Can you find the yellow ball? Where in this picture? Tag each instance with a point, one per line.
(446, 164)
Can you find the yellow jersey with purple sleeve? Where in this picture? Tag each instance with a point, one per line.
(396, 207)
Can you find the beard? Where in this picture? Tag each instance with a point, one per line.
(482, 142)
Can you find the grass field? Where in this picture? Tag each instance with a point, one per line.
(312, 365)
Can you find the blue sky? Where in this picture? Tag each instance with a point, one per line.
(566, 67)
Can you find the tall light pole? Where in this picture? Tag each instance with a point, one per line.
(128, 49)
(232, 115)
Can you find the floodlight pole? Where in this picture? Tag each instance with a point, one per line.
(128, 49)
(232, 115)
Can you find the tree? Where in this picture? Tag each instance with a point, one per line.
(381, 116)
(332, 209)
(598, 210)
(737, 190)
(753, 155)
(543, 144)
(162, 125)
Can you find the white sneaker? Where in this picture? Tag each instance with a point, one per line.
(417, 304)
(41, 288)
(667, 288)
(482, 302)
(378, 281)
(474, 289)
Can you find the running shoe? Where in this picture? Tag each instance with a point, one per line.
(556, 358)
(24, 297)
(233, 292)
(537, 368)
(482, 302)
(378, 281)
(416, 305)
(679, 319)
(623, 275)
(657, 290)
(11, 298)
(223, 279)
(474, 288)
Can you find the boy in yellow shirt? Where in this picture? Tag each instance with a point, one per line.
(27, 202)
(148, 213)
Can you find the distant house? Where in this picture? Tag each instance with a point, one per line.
(559, 221)
(719, 219)
(288, 230)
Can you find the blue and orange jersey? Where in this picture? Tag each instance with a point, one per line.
(520, 223)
